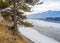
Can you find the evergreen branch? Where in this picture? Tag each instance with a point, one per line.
(5, 9)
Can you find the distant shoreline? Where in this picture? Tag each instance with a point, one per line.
(48, 20)
(52, 21)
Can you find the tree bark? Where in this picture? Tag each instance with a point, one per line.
(15, 18)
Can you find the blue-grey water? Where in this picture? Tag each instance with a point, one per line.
(52, 32)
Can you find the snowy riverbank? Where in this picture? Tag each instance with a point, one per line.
(47, 28)
(35, 36)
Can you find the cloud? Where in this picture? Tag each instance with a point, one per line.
(50, 0)
(47, 5)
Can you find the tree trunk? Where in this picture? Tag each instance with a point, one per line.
(15, 18)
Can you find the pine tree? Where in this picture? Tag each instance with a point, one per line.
(16, 11)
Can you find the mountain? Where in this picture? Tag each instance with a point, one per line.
(46, 14)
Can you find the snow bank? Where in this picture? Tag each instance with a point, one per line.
(35, 36)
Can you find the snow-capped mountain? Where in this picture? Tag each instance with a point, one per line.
(46, 14)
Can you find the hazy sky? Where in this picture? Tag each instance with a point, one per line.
(47, 5)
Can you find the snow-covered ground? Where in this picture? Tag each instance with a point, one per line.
(42, 32)
(35, 36)
(47, 28)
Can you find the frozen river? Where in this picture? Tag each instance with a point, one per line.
(47, 28)
(49, 31)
